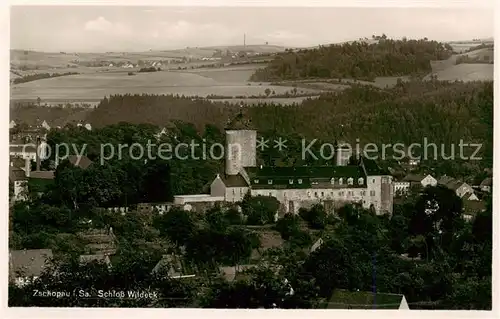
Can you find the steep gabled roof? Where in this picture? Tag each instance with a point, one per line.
(80, 161)
(371, 167)
(16, 174)
(413, 178)
(487, 182)
(234, 181)
(42, 174)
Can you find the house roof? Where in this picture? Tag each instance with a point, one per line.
(16, 174)
(473, 206)
(234, 181)
(42, 174)
(311, 172)
(302, 176)
(413, 178)
(18, 162)
(445, 180)
(29, 262)
(26, 148)
(80, 161)
(344, 299)
(372, 168)
(229, 272)
(487, 182)
(97, 257)
(174, 266)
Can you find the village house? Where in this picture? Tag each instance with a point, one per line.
(19, 181)
(410, 181)
(459, 187)
(27, 264)
(486, 184)
(171, 266)
(99, 258)
(101, 242)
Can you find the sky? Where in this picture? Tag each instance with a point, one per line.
(126, 28)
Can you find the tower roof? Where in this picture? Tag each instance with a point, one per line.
(239, 122)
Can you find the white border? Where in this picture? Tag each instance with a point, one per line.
(241, 314)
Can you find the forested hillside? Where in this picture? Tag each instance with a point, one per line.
(441, 112)
(160, 110)
(358, 60)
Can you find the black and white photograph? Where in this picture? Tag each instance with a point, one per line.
(251, 157)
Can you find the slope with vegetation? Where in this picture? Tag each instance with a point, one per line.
(358, 60)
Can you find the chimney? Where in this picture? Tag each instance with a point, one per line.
(38, 153)
(27, 166)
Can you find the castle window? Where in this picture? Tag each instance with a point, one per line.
(315, 194)
(350, 181)
(309, 194)
(331, 194)
(332, 181)
(322, 194)
(270, 194)
(372, 193)
(300, 181)
(349, 193)
(256, 181)
(341, 181)
(363, 193)
(233, 192)
(360, 181)
(269, 181)
(373, 180)
(290, 181)
(341, 193)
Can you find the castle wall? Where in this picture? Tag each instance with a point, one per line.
(294, 199)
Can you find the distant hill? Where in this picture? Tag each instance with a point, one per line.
(365, 59)
(35, 60)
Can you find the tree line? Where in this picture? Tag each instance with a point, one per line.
(40, 76)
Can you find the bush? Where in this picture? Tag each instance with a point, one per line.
(316, 217)
(287, 226)
(260, 210)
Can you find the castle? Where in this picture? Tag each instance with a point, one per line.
(295, 187)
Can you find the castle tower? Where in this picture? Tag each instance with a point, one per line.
(241, 144)
(343, 154)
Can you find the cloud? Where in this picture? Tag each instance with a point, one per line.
(102, 25)
(99, 24)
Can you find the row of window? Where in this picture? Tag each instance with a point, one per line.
(350, 181)
(342, 193)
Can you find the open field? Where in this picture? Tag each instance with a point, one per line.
(92, 86)
(466, 73)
